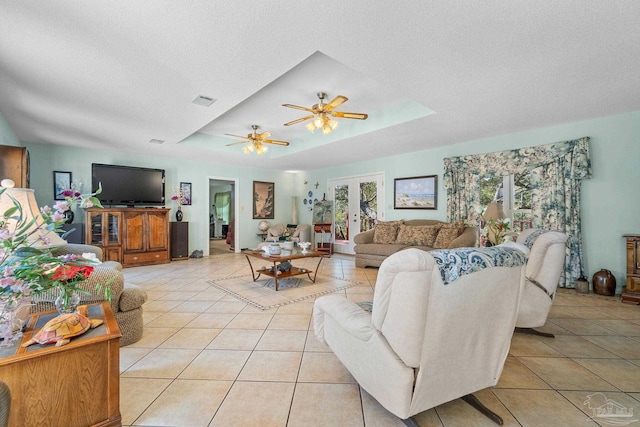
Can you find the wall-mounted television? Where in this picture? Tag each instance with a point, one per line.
(128, 185)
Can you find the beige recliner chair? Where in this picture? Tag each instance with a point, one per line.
(426, 342)
(547, 253)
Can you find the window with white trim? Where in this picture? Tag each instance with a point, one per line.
(514, 192)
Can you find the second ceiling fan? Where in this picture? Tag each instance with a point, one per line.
(256, 141)
(320, 113)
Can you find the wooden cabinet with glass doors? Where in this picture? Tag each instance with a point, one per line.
(131, 236)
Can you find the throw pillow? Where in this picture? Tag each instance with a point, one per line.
(386, 232)
(448, 233)
(417, 235)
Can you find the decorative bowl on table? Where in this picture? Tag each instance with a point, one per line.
(305, 246)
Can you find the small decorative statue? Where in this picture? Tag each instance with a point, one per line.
(61, 329)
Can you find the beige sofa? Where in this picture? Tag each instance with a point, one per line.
(372, 247)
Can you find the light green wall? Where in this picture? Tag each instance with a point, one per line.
(7, 135)
(610, 203)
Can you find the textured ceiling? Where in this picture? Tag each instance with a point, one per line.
(116, 74)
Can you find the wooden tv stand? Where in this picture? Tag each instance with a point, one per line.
(131, 236)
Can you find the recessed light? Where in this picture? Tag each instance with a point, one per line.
(156, 141)
(204, 100)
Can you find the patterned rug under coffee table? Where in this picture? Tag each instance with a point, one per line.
(261, 294)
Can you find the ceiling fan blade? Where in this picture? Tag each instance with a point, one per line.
(345, 115)
(336, 102)
(297, 107)
(236, 143)
(236, 136)
(298, 121)
(276, 142)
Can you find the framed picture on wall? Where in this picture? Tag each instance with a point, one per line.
(418, 192)
(61, 182)
(263, 199)
(185, 191)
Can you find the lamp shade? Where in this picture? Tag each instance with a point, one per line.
(494, 211)
(44, 239)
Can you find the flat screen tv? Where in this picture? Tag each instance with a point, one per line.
(127, 185)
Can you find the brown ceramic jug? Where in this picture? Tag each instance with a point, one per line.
(604, 283)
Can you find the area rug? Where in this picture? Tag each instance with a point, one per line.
(261, 294)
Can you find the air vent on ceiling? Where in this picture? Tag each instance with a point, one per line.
(204, 100)
(156, 141)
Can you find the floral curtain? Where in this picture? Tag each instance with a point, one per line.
(556, 173)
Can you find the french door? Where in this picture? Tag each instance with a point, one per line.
(358, 203)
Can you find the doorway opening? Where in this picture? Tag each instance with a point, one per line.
(222, 216)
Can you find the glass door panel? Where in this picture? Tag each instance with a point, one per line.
(358, 203)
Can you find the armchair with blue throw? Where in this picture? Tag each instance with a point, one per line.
(440, 327)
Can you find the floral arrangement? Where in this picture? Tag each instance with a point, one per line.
(26, 270)
(497, 230)
(178, 196)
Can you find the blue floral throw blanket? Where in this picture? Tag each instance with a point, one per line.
(454, 263)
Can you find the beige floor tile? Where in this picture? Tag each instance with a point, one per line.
(621, 327)
(148, 316)
(250, 321)
(599, 406)
(269, 407)
(323, 368)
(178, 295)
(161, 363)
(193, 307)
(236, 339)
(313, 344)
(299, 308)
(375, 415)
(186, 403)
(160, 305)
(191, 338)
(211, 320)
(172, 320)
(564, 374)
(517, 375)
(153, 337)
(216, 365)
(542, 408)
(234, 307)
(621, 373)
(621, 346)
(575, 346)
(529, 345)
(459, 413)
(271, 366)
(292, 322)
(130, 355)
(326, 405)
(136, 394)
(282, 340)
(582, 326)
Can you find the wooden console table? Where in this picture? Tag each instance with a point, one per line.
(77, 384)
(632, 291)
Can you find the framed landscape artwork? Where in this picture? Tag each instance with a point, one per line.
(61, 182)
(418, 192)
(263, 197)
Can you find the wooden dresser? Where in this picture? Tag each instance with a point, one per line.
(632, 291)
(77, 384)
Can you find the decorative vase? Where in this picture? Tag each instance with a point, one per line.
(69, 216)
(582, 285)
(13, 318)
(179, 214)
(604, 283)
(67, 301)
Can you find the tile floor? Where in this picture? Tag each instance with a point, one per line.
(207, 359)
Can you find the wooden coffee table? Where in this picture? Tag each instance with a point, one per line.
(284, 256)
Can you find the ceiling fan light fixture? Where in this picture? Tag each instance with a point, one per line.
(311, 126)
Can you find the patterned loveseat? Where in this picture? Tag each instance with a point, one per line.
(374, 246)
